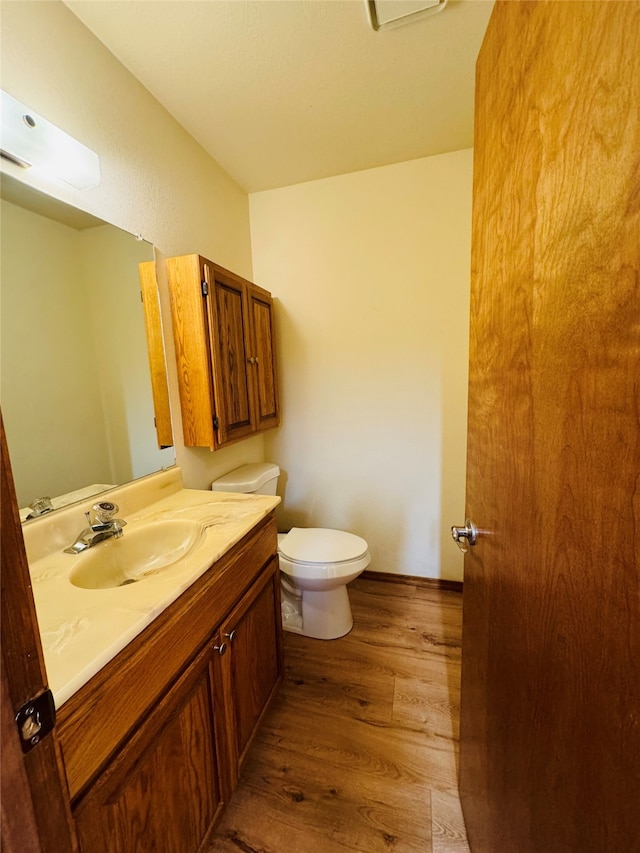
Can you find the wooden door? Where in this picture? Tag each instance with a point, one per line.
(229, 325)
(550, 715)
(253, 666)
(262, 353)
(35, 806)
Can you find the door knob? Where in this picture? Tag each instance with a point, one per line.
(465, 536)
(221, 649)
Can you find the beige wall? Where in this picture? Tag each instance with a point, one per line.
(371, 271)
(156, 180)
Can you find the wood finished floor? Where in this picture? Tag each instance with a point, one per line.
(359, 751)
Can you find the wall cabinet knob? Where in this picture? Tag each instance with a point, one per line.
(231, 636)
(221, 649)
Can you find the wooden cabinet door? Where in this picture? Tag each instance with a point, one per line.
(230, 336)
(253, 664)
(161, 792)
(155, 350)
(191, 337)
(262, 358)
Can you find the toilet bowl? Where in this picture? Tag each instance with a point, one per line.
(316, 563)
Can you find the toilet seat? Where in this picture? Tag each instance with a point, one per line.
(321, 546)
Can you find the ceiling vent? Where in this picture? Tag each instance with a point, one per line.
(386, 14)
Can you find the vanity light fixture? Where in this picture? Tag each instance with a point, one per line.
(386, 14)
(29, 140)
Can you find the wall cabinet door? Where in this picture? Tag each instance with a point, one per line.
(224, 341)
(233, 378)
(253, 665)
(162, 791)
(261, 358)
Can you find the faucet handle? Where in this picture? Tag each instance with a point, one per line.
(105, 511)
(39, 506)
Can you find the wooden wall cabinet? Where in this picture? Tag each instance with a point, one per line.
(224, 342)
(153, 744)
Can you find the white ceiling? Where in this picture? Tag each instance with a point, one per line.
(285, 91)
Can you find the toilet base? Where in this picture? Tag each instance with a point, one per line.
(325, 614)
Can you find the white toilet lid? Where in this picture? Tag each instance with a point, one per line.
(321, 545)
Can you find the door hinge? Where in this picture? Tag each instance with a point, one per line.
(35, 720)
(205, 288)
(216, 423)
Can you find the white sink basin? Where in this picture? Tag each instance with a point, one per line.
(140, 553)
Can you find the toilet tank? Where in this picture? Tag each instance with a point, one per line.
(260, 478)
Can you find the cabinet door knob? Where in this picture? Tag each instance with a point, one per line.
(231, 636)
(251, 360)
(221, 649)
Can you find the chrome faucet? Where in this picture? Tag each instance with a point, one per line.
(104, 527)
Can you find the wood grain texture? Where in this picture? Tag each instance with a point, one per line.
(225, 353)
(24, 678)
(254, 664)
(155, 349)
(230, 338)
(162, 791)
(253, 668)
(263, 349)
(550, 742)
(432, 583)
(19, 829)
(192, 345)
(340, 764)
(21, 647)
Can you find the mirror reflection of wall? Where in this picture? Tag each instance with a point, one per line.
(75, 386)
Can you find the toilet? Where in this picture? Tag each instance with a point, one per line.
(316, 563)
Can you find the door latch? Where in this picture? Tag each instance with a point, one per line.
(35, 720)
(465, 536)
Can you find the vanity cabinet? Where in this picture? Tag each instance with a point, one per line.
(152, 745)
(224, 342)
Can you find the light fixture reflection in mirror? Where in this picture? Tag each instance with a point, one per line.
(75, 386)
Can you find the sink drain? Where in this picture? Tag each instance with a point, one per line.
(128, 581)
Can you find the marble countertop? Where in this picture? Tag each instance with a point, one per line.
(83, 629)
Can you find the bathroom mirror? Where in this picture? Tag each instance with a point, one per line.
(75, 384)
